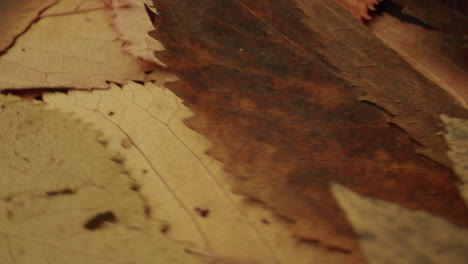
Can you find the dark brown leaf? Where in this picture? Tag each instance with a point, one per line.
(261, 76)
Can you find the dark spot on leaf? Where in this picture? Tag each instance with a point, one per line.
(118, 159)
(339, 250)
(147, 211)
(100, 220)
(3, 107)
(23, 49)
(135, 187)
(165, 228)
(265, 221)
(144, 171)
(66, 191)
(202, 212)
(110, 113)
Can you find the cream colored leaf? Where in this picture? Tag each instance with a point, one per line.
(64, 198)
(389, 233)
(457, 139)
(16, 16)
(182, 184)
(73, 45)
(133, 24)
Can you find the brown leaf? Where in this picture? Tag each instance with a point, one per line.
(426, 50)
(16, 16)
(359, 8)
(180, 183)
(72, 45)
(259, 75)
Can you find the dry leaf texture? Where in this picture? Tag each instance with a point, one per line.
(457, 139)
(427, 51)
(73, 45)
(181, 184)
(391, 234)
(65, 198)
(132, 22)
(16, 16)
(359, 8)
(256, 75)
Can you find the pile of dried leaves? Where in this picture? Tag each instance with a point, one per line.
(236, 131)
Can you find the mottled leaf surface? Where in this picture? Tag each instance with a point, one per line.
(66, 198)
(260, 77)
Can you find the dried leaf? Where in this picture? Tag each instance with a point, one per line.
(448, 17)
(183, 185)
(390, 233)
(259, 77)
(359, 8)
(67, 199)
(16, 16)
(442, 62)
(73, 45)
(457, 139)
(131, 21)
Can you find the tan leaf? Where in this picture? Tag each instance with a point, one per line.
(427, 51)
(359, 8)
(65, 198)
(389, 233)
(457, 139)
(132, 22)
(16, 16)
(73, 45)
(182, 184)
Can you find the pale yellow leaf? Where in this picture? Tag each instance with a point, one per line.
(457, 139)
(133, 24)
(73, 45)
(65, 198)
(389, 233)
(183, 185)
